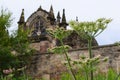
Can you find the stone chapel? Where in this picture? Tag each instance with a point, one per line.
(40, 20)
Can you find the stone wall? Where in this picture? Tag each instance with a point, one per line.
(49, 64)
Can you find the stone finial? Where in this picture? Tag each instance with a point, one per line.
(51, 9)
(22, 19)
(51, 12)
(63, 23)
(76, 18)
(63, 17)
(58, 17)
(51, 16)
(40, 8)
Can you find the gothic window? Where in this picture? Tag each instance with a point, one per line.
(37, 25)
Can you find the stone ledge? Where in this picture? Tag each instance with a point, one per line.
(94, 47)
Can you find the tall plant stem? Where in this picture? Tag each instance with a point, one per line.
(68, 60)
(90, 56)
(86, 72)
(117, 76)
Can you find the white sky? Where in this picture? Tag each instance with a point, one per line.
(86, 10)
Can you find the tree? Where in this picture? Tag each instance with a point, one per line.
(14, 49)
(5, 54)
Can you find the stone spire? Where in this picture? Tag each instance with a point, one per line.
(52, 12)
(40, 8)
(63, 23)
(22, 19)
(63, 17)
(51, 16)
(58, 18)
(76, 18)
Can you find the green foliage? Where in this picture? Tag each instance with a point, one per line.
(90, 29)
(14, 49)
(66, 76)
(83, 65)
(5, 21)
(6, 58)
(110, 75)
(20, 46)
(19, 42)
(12, 77)
(59, 33)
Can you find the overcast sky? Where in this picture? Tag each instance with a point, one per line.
(86, 10)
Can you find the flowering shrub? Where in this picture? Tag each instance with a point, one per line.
(7, 71)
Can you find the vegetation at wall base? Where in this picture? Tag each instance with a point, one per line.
(110, 75)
